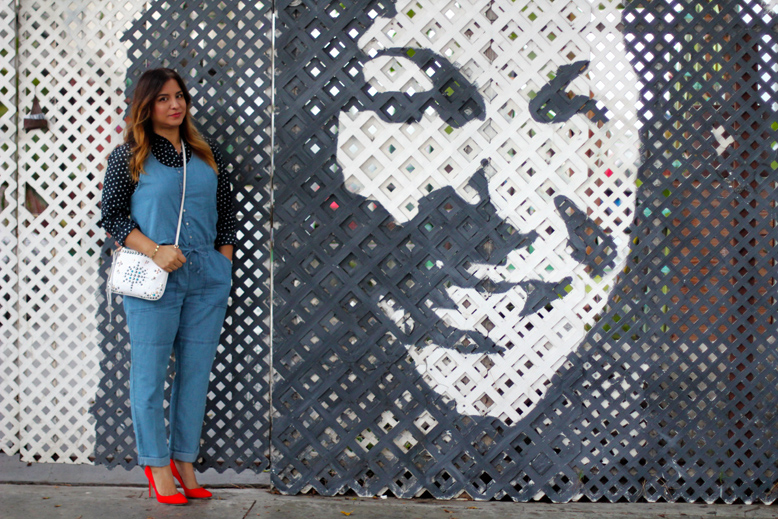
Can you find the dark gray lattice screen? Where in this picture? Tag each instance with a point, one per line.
(524, 249)
(222, 49)
(689, 339)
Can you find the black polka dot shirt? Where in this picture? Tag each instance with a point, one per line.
(118, 188)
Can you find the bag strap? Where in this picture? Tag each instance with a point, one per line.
(183, 194)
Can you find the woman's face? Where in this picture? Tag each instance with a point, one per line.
(169, 107)
(545, 140)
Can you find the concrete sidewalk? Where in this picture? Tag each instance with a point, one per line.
(14, 471)
(91, 502)
(43, 491)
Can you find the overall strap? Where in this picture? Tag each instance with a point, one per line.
(178, 231)
(183, 194)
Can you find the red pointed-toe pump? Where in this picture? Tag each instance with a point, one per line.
(175, 499)
(192, 493)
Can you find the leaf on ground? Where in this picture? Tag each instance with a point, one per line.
(346, 513)
(472, 508)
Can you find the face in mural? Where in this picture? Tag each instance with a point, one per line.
(504, 135)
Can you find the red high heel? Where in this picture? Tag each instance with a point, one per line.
(192, 493)
(176, 499)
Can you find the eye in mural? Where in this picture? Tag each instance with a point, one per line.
(510, 147)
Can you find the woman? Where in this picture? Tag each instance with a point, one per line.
(140, 207)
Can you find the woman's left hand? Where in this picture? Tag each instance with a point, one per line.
(227, 250)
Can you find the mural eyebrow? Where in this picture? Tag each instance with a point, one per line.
(456, 99)
(552, 104)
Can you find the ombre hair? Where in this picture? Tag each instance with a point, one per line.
(140, 129)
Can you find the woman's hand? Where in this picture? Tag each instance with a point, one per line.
(169, 258)
(226, 251)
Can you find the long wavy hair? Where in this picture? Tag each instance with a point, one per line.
(140, 129)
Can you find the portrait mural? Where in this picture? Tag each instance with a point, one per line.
(517, 178)
(520, 248)
(469, 218)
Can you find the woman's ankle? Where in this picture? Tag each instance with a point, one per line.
(187, 473)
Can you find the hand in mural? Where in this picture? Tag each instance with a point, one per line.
(507, 163)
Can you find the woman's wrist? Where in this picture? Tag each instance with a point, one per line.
(154, 253)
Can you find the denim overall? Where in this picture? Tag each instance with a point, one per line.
(187, 319)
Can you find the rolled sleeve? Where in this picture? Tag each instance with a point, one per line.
(226, 223)
(116, 196)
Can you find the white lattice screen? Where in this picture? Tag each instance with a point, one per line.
(9, 294)
(72, 59)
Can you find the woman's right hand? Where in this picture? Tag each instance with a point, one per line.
(169, 258)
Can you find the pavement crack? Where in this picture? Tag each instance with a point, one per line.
(249, 510)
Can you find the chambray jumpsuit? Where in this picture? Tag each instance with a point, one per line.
(187, 319)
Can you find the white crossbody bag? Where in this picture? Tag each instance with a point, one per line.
(135, 274)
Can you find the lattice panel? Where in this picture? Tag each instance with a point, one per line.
(222, 49)
(71, 58)
(9, 280)
(458, 178)
(522, 248)
(458, 190)
(677, 381)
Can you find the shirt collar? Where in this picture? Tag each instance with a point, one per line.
(164, 151)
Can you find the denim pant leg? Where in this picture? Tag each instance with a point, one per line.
(153, 326)
(202, 317)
